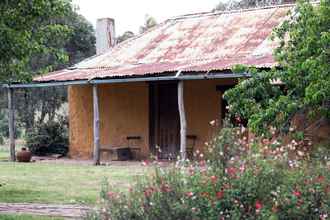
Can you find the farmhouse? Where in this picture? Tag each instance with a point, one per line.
(162, 89)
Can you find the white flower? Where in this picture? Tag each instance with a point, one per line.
(300, 153)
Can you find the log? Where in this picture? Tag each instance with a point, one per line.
(11, 123)
(183, 122)
(96, 127)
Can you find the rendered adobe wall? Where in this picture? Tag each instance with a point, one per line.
(203, 105)
(80, 121)
(123, 112)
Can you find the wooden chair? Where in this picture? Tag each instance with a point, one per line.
(191, 139)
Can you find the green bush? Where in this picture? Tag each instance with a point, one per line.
(4, 130)
(252, 181)
(50, 137)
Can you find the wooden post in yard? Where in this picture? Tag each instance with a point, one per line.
(183, 122)
(11, 123)
(96, 131)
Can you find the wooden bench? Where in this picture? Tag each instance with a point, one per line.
(122, 152)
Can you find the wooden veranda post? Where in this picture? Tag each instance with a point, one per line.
(183, 122)
(11, 124)
(96, 131)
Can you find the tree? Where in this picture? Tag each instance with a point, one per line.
(126, 35)
(78, 45)
(56, 51)
(149, 23)
(304, 69)
(81, 43)
(244, 4)
(25, 29)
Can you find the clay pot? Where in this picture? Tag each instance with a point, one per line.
(24, 155)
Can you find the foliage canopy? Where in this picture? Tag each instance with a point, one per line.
(303, 55)
(26, 28)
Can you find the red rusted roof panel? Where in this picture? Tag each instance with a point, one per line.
(197, 42)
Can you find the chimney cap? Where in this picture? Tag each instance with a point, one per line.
(105, 18)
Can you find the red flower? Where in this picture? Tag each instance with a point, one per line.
(231, 171)
(320, 179)
(297, 193)
(214, 179)
(219, 194)
(258, 205)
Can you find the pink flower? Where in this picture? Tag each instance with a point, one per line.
(297, 193)
(189, 194)
(214, 179)
(145, 163)
(111, 195)
(202, 163)
(242, 168)
(324, 216)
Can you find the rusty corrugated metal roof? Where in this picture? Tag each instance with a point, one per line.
(192, 43)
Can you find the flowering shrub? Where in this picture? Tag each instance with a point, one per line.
(240, 179)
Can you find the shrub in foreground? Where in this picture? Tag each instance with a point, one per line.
(251, 182)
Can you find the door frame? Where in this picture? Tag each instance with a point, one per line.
(154, 119)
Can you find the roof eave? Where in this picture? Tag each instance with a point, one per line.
(125, 80)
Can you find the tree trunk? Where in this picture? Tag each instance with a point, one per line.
(183, 122)
(11, 121)
(96, 155)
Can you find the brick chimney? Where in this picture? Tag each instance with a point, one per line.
(105, 35)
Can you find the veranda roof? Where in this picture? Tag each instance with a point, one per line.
(191, 43)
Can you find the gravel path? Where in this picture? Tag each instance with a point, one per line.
(66, 211)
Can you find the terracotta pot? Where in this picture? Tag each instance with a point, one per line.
(23, 155)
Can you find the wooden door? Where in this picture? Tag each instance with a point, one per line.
(164, 120)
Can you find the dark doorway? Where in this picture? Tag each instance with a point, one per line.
(164, 120)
